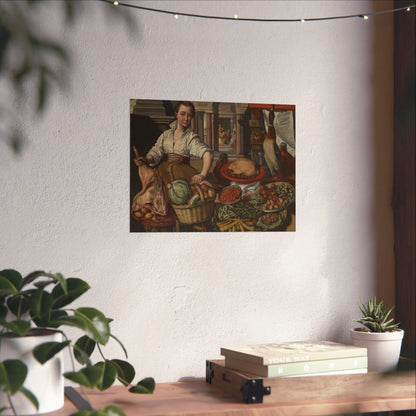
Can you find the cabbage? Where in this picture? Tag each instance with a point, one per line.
(179, 191)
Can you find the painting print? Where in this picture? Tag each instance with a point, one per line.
(212, 166)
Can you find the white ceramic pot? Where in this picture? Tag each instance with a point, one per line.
(383, 348)
(44, 381)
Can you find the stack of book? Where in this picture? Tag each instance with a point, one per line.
(296, 359)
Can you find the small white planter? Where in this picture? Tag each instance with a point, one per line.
(383, 348)
(44, 381)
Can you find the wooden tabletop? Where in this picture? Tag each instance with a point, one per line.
(198, 398)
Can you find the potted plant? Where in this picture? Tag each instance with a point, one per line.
(380, 335)
(35, 309)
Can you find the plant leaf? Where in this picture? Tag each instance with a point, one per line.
(88, 376)
(40, 304)
(105, 411)
(3, 312)
(5, 36)
(61, 280)
(30, 396)
(110, 411)
(75, 288)
(94, 325)
(55, 316)
(44, 283)
(43, 89)
(18, 305)
(6, 287)
(57, 49)
(145, 386)
(45, 351)
(31, 277)
(98, 328)
(12, 375)
(13, 276)
(108, 374)
(18, 327)
(83, 349)
(125, 371)
(53, 278)
(75, 321)
(20, 73)
(119, 342)
(83, 413)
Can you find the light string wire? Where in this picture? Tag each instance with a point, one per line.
(247, 19)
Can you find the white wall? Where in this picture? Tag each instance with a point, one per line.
(177, 298)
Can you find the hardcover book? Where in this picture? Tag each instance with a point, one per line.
(345, 365)
(292, 352)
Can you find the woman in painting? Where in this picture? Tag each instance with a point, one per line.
(175, 147)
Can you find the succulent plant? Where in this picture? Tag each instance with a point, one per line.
(375, 317)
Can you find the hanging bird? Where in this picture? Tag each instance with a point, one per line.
(272, 153)
(287, 171)
(288, 161)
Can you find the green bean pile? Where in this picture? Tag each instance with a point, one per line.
(242, 209)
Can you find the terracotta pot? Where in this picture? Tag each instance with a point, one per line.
(44, 381)
(383, 348)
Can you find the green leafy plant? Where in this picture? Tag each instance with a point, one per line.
(39, 62)
(375, 317)
(41, 300)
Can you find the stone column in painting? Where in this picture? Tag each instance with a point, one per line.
(204, 121)
(215, 126)
(240, 110)
(209, 137)
(198, 123)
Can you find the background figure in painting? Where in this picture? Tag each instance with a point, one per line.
(174, 148)
(233, 137)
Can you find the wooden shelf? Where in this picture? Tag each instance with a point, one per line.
(359, 393)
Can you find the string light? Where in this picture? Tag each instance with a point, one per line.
(246, 19)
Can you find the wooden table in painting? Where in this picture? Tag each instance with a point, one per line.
(358, 393)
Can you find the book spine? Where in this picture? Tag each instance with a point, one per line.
(288, 369)
(321, 366)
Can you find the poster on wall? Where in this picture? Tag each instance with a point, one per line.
(212, 166)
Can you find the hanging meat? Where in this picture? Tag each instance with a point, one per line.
(151, 195)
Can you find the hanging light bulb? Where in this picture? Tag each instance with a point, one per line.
(236, 16)
(116, 3)
(176, 17)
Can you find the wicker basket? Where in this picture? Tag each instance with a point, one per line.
(194, 214)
